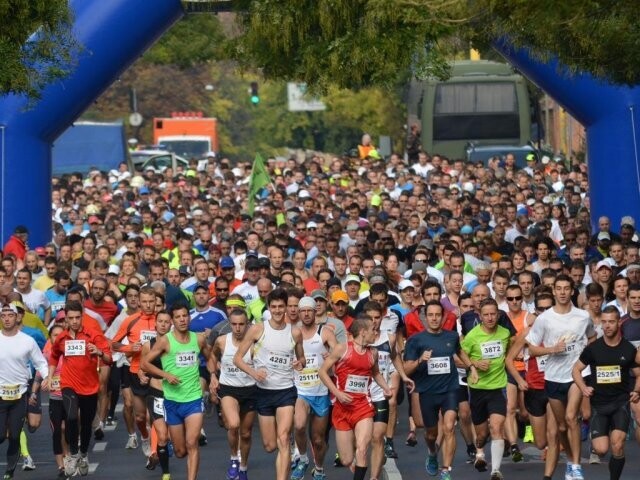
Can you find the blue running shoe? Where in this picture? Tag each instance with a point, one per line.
(432, 465)
(233, 473)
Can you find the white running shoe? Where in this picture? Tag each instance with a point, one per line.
(132, 443)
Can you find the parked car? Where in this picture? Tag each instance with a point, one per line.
(478, 152)
(159, 163)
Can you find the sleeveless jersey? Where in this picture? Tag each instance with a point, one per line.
(157, 362)
(182, 361)
(518, 322)
(353, 374)
(535, 371)
(274, 352)
(231, 375)
(384, 365)
(307, 380)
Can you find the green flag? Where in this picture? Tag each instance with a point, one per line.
(259, 178)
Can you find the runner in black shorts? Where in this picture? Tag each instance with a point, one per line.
(611, 359)
(237, 392)
(155, 402)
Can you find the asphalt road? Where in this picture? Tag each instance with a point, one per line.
(110, 461)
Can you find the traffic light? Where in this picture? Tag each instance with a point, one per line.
(255, 97)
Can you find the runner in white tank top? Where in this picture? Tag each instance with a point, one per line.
(230, 374)
(313, 395)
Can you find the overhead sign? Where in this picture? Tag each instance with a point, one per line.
(300, 101)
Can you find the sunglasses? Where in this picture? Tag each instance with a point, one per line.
(514, 299)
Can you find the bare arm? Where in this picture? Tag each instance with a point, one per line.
(576, 373)
(514, 351)
(159, 348)
(300, 361)
(323, 373)
(253, 335)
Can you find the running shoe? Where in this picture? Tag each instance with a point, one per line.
(496, 475)
(594, 458)
(300, 470)
(83, 465)
(27, 464)
(61, 473)
(170, 448)
(528, 434)
(98, 433)
(411, 439)
(166, 476)
(110, 421)
(337, 462)
(71, 464)
(432, 465)
(471, 453)
(576, 472)
(516, 454)
(202, 441)
(389, 451)
(445, 474)
(480, 464)
(132, 443)
(243, 475)
(145, 443)
(316, 475)
(8, 476)
(568, 474)
(233, 472)
(152, 462)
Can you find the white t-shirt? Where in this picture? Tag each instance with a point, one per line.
(34, 300)
(574, 328)
(247, 291)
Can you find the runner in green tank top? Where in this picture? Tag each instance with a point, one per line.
(183, 406)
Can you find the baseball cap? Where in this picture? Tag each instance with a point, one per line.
(466, 230)
(200, 287)
(376, 279)
(184, 270)
(9, 306)
(93, 219)
(339, 296)
(633, 266)
(404, 284)
(427, 243)
(252, 264)
(114, 270)
(264, 262)
(627, 220)
(312, 225)
(227, 262)
(318, 295)
(352, 278)
(307, 302)
(604, 236)
(419, 267)
(21, 229)
(603, 263)
(41, 251)
(143, 191)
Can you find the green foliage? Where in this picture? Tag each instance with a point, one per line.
(28, 66)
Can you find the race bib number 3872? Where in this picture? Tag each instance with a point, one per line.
(491, 349)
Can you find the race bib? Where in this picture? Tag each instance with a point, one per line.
(147, 335)
(74, 348)
(383, 361)
(608, 374)
(309, 378)
(357, 384)
(186, 359)
(230, 370)
(279, 361)
(570, 348)
(439, 366)
(542, 362)
(10, 392)
(54, 385)
(158, 405)
(491, 349)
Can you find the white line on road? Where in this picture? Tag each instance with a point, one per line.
(99, 446)
(119, 407)
(392, 470)
(93, 467)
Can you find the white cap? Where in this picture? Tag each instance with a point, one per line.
(405, 284)
(114, 270)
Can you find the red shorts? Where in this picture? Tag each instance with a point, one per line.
(345, 417)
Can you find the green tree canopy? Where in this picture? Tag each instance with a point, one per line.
(27, 66)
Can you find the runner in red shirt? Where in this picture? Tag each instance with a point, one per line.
(415, 321)
(79, 383)
(355, 365)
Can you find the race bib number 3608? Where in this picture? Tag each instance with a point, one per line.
(439, 366)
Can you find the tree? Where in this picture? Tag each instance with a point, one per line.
(27, 66)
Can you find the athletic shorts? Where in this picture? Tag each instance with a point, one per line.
(319, 404)
(485, 403)
(37, 408)
(204, 373)
(557, 390)
(125, 376)
(432, 404)
(463, 393)
(245, 396)
(268, 401)
(155, 404)
(612, 416)
(535, 402)
(512, 380)
(176, 412)
(381, 411)
(346, 417)
(137, 388)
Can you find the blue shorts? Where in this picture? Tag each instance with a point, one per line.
(268, 401)
(432, 404)
(557, 391)
(176, 412)
(319, 404)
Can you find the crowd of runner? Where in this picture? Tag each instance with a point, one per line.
(479, 294)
